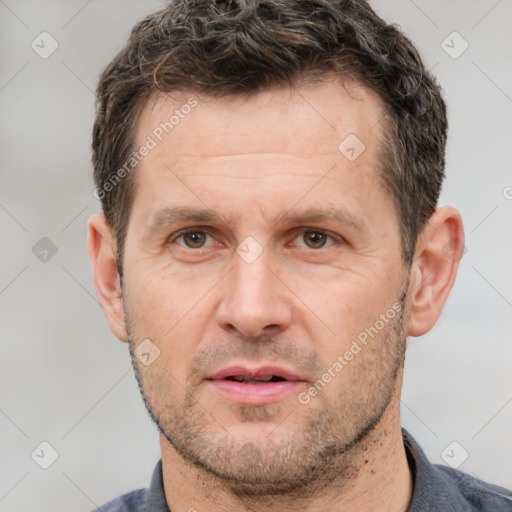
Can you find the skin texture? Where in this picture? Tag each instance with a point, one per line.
(299, 305)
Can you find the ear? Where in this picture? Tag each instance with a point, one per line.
(101, 248)
(439, 249)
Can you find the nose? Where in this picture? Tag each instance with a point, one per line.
(254, 301)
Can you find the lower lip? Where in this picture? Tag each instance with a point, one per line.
(257, 394)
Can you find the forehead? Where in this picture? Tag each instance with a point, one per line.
(322, 142)
(311, 120)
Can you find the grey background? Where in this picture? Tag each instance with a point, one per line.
(65, 379)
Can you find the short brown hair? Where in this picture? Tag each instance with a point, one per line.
(237, 47)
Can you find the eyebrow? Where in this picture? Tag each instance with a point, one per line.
(170, 216)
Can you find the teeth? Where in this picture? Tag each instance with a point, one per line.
(263, 378)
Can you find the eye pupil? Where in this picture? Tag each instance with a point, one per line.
(314, 239)
(194, 239)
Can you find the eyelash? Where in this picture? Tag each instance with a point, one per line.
(302, 231)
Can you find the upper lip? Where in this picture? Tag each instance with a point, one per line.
(251, 373)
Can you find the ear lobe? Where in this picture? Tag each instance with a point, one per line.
(100, 245)
(438, 251)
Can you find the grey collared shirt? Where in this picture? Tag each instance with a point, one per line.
(436, 489)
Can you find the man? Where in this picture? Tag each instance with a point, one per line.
(269, 174)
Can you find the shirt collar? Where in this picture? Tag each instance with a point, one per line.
(431, 489)
(156, 496)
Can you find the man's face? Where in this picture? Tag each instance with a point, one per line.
(293, 254)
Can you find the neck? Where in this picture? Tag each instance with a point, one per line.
(380, 480)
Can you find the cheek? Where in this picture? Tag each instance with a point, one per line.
(171, 311)
(162, 296)
(338, 310)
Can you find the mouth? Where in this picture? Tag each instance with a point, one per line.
(256, 380)
(255, 386)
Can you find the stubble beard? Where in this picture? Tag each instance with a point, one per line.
(298, 458)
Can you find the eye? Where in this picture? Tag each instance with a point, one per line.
(193, 239)
(308, 239)
(314, 239)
